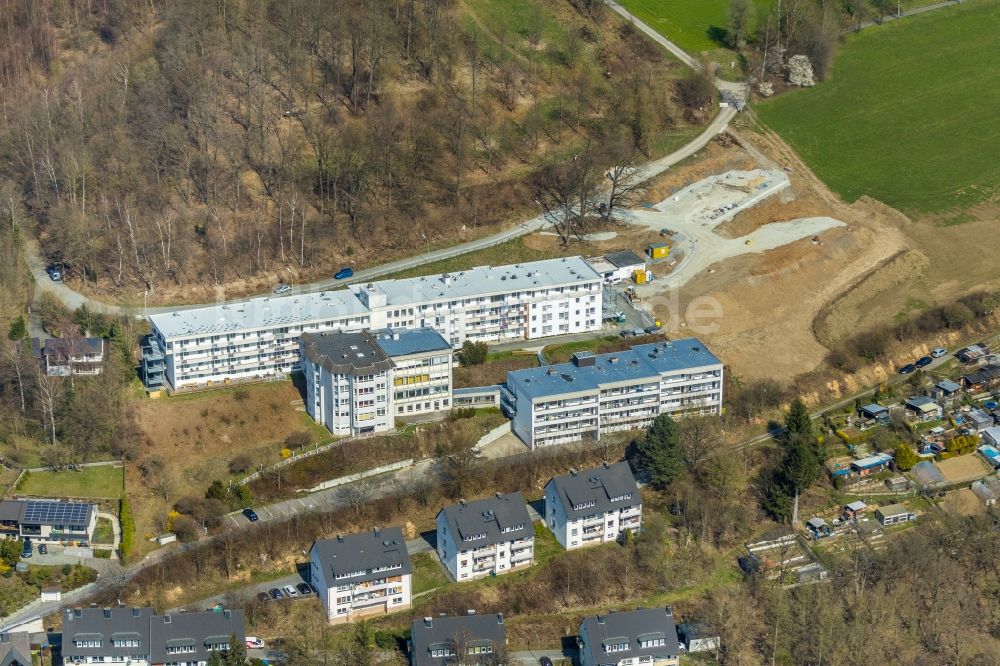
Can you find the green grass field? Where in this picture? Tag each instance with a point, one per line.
(908, 115)
(97, 482)
(694, 25)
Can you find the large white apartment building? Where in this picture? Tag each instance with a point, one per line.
(258, 338)
(358, 383)
(484, 537)
(362, 574)
(593, 506)
(597, 394)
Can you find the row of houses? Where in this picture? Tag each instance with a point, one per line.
(259, 338)
(371, 573)
(647, 636)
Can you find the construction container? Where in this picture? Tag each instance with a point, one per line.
(658, 250)
(639, 276)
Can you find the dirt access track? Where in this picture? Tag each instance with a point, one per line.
(806, 249)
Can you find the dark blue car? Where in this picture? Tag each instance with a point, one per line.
(344, 273)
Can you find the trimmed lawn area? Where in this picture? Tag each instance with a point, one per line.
(694, 25)
(97, 482)
(104, 532)
(427, 573)
(913, 131)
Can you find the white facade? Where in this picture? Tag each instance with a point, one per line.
(592, 507)
(371, 578)
(484, 538)
(595, 395)
(358, 383)
(259, 338)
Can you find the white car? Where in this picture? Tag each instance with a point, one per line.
(282, 289)
(254, 643)
(939, 352)
(290, 591)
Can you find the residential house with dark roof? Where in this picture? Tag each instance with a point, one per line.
(139, 637)
(461, 640)
(597, 394)
(645, 636)
(359, 575)
(983, 379)
(923, 408)
(62, 357)
(593, 506)
(15, 649)
(47, 521)
(486, 537)
(359, 383)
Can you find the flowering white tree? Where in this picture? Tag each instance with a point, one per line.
(800, 71)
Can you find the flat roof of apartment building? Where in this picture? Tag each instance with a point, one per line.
(397, 342)
(345, 353)
(483, 281)
(593, 371)
(268, 312)
(493, 520)
(265, 312)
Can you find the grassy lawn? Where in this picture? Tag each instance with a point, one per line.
(427, 573)
(99, 482)
(494, 370)
(694, 25)
(916, 132)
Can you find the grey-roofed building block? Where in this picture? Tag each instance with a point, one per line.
(486, 537)
(48, 521)
(140, 637)
(646, 634)
(359, 575)
(461, 639)
(593, 506)
(15, 649)
(595, 395)
(359, 383)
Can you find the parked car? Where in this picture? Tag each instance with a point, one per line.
(304, 588)
(254, 643)
(26, 550)
(545, 661)
(290, 591)
(650, 330)
(43, 549)
(251, 515)
(344, 273)
(263, 597)
(923, 361)
(627, 333)
(282, 289)
(55, 272)
(938, 352)
(908, 369)
(276, 593)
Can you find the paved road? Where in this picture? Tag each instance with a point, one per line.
(908, 12)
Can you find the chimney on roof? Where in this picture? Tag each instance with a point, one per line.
(471, 611)
(340, 539)
(499, 495)
(376, 531)
(228, 614)
(107, 613)
(462, 502)
(572, 472)
(428, 622)
(600, 619)
(136, 612)
(499, 618)
(446, 278)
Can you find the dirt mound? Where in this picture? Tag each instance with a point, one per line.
(842, 315)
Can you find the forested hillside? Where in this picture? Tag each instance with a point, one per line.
(175, 146)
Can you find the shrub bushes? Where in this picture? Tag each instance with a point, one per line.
(128, 529)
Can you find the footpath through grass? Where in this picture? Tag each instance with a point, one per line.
(909, 113)
(103, 482)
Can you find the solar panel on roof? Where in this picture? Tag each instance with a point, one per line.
(56, 513)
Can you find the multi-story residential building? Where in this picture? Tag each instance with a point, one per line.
(139, 637)
(462, 640)
(47, 521)
(486, 537)
(258, 338)
(594, 395)
(646, 636)
(62, 357)
(15, 648)
(360, 575)
(593, 506)
(358, 383)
